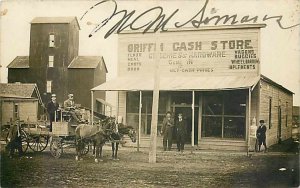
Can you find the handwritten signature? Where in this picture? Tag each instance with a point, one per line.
(130, 21)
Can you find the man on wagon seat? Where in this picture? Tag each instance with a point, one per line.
(69, 106)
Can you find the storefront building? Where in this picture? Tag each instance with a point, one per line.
(211, 75)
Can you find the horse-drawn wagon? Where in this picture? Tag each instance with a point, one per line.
(63, 132)
(66, 132)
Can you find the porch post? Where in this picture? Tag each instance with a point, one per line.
(249, 120)
(140, 122)
(193, 120)
(92, 107)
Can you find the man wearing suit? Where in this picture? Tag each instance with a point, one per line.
(52, 107)
(69, 106)
(181, 131)
(14, 139)
(167, 130)
(261, 135)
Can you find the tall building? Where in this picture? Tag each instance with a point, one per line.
(54, 65)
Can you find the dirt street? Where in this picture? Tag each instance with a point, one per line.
(173, 169)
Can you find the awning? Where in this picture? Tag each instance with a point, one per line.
(178, 83)
(103, 102)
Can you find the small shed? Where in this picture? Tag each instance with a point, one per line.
(18, 100)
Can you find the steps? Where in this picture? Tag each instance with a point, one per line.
(204, 144)
(231, 145)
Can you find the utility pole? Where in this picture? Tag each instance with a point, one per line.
(153, 136)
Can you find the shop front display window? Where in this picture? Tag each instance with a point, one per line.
(224, 115)
(132, 105)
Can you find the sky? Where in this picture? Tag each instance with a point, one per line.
(280, 48)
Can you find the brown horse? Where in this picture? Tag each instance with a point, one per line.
(116, 137)
(96, 134)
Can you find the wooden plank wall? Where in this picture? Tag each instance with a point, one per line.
(122, 105)
(28, 110)
(254, 103)
(279, 98)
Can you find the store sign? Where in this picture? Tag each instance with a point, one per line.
(190, 53)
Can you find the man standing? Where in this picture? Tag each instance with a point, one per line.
(181, 132)
(52, 107)
(14, 139)
(261, 135)
(166, 131)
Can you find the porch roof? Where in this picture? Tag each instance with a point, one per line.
(178, 83)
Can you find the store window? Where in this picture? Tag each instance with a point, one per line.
(132, 109)
(286, 113)
(270, 113)
(224, 114)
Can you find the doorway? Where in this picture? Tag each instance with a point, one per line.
(187, 114)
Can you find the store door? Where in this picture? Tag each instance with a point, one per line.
(187, 114)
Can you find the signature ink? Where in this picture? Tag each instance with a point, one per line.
(128, 21)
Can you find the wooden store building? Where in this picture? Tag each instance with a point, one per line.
(211, 75)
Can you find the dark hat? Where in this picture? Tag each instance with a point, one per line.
(261, 121)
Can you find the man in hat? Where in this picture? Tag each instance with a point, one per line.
(181, 131)
(52, 107)
(167, 130)
(69, 106)
(14, 139)
(261, 135)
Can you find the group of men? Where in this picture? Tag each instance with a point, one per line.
(14, 136)
(69, 107)
(180, 125)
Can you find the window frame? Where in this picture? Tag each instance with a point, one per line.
(51, 40)
(270, 112)
(49, 86)
(51, 62)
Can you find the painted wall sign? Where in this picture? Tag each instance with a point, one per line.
(190, 53)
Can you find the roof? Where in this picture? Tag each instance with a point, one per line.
(18, 90)
(268, 80)
(103, 102)
(87, 62)
(20, 62)
(178, 83)
(60, 20)
(202, 28)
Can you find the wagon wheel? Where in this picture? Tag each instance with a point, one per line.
(38, 143)
(56, 148)
(23, 135)
(85, 149)
(4, 134)
(24, 139)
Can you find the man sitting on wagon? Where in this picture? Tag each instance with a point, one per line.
(69, 105)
